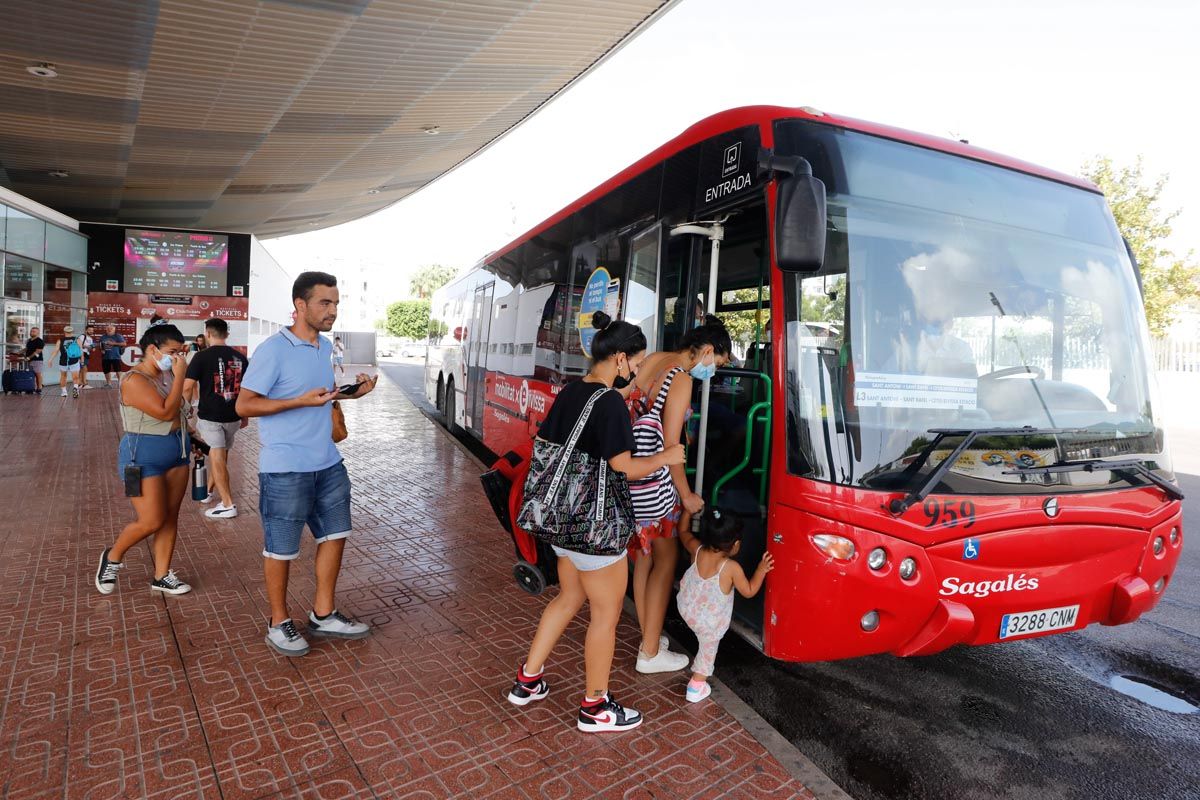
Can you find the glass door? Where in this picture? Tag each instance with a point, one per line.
(479, 331)
(642, 285)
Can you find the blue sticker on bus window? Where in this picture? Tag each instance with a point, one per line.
(595, 291)
(970, 549)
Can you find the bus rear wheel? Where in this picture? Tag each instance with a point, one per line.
(439, 398)
(529, 577)
(450, 407)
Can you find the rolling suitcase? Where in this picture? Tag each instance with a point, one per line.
(19, 380)
(504, 484)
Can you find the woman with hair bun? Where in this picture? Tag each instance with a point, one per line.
(617, 350)
(152, 458)
(662, 402)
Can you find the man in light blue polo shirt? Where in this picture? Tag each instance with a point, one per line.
(289, 384)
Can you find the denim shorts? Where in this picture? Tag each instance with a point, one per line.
(157, 454)
(289, 500)
(585, 562)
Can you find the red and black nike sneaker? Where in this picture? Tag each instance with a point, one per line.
(527, 688)
(607, 715)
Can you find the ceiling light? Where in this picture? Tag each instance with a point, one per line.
(42, 70)
(432, 130)
(372, 191)
(59, 173)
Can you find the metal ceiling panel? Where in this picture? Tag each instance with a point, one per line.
(276, 116)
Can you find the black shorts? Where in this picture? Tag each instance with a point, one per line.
(112, 365)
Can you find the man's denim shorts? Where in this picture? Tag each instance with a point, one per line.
(289, 500)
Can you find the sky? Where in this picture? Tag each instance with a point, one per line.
(1048, 81)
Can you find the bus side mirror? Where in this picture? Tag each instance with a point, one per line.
(800, 221)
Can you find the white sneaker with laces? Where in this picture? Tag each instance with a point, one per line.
(211, 496)
(337, 625)
(284, 638)
(221, 511)
(64, 392)
(665, 661)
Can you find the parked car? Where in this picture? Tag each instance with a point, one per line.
(384, 353)
(416, 350)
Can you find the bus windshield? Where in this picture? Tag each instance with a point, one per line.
(962, 296)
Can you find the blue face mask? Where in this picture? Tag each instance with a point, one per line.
(703, 371)
(164, 362)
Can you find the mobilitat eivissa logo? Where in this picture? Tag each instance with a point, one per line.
(1012, 583)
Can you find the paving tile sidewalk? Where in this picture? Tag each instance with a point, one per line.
(141, 695)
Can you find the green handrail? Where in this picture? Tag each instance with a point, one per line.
(758, 410)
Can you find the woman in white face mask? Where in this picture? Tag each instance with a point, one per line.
(152, 459)
(661, 402)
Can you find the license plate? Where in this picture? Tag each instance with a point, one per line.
(1048, 619)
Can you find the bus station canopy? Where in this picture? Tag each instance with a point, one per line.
(275, 116)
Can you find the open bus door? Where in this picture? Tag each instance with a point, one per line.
(729, 458)
(479, 333)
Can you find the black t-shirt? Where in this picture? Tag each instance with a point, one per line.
(32, 347)
(218, 371)
(608, 432)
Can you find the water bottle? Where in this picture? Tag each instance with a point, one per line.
(199, 480)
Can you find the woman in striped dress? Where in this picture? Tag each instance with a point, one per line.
(661, 402)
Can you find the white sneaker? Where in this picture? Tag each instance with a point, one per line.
(284, 638)
(211, 496)
(337, 625)
(64, 392)
(88, 386)
(665, 661)
(221, 511)
(696, 695)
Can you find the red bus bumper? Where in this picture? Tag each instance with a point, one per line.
(817, 607)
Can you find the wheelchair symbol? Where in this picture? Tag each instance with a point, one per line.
(970, 549)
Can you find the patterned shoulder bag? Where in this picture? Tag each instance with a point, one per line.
(574, 501)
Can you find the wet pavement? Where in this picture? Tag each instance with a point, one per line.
(140, 695)
(1038, 719)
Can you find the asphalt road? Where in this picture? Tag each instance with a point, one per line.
(1036, 719)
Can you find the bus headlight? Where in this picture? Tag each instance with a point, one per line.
(834, 546)
(1159, 545)
(1159, 585)
(869, 621)
(1174, 535)
(877, 558)
(908, 568)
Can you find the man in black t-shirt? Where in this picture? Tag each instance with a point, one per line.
(33, 352)
(215, 376)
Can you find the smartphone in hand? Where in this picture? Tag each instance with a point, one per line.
(350, 388)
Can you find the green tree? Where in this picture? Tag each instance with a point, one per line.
(408, 319)
(430, 278)
(1168, 280)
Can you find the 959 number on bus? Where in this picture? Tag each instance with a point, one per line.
(1028, 622)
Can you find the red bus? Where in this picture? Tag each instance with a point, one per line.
(944, 423)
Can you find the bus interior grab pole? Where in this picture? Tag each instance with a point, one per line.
(715, 232)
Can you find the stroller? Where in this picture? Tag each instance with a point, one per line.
(504, 485)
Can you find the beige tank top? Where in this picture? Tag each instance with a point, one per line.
(137, 421)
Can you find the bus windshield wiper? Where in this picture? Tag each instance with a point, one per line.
(901, 504)
(1136, 466)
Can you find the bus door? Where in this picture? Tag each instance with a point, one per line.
(479, 332)
(737, 439)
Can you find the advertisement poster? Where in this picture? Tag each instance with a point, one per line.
(595, 295)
